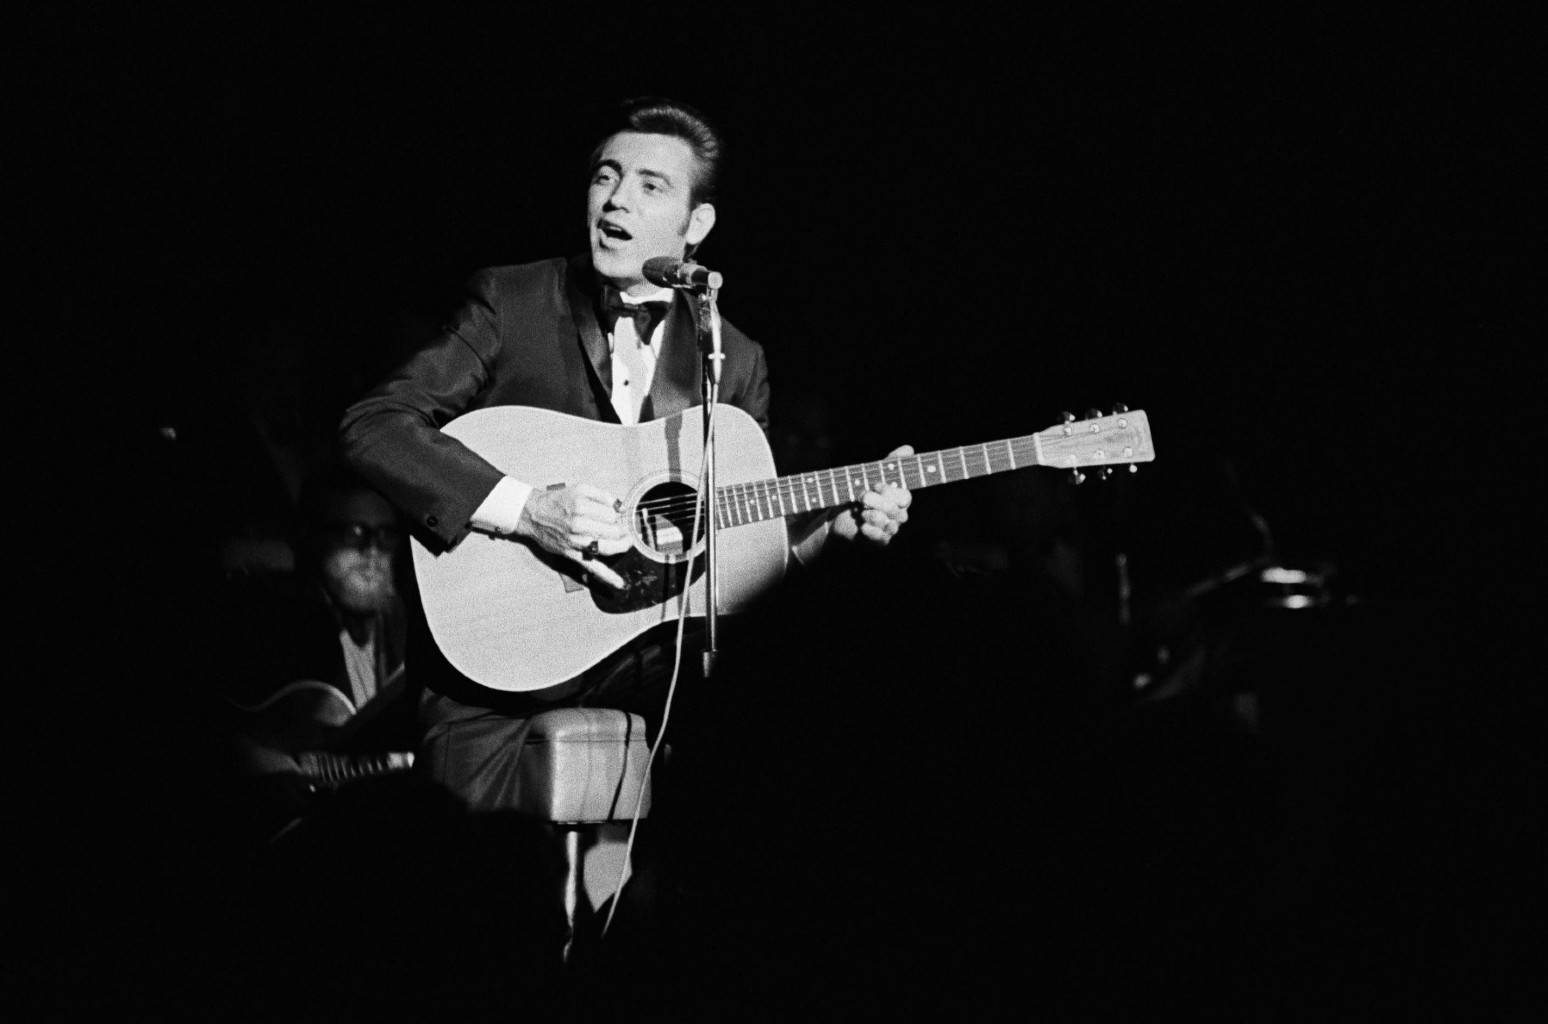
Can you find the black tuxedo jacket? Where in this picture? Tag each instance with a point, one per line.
(524, 335)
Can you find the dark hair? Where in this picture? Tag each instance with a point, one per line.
(654, 115)
(329, 481)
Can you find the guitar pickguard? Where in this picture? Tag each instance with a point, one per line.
(648, 583)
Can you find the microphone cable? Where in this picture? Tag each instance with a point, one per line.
(677, 665)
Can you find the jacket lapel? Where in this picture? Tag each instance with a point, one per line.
(676, 383)
(581, 289)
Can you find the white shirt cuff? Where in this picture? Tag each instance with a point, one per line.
(501, 510)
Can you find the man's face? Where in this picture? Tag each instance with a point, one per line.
(359, 541)
(637, 206)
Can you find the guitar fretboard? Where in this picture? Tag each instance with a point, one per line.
(807, 492)
(1120, 438)
(333, 769)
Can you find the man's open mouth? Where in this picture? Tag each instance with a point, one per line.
(613, 231)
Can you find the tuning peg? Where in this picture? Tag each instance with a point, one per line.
(1093, 413)
(1119, 408)
(1078, 477)
(1133, 467)
(1106, 473)
(1066, 417)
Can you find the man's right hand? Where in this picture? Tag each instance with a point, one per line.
(577, 522)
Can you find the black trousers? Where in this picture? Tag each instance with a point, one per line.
(471, 750)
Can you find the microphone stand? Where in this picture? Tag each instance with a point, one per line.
(708, 322)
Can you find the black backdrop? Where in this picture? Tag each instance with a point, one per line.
(1296, 243)
(1300, 245)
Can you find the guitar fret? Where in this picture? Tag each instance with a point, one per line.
(932, 469)
(982, 457)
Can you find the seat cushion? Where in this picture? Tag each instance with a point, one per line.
(583, 765)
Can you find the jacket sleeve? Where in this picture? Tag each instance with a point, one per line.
(393, 437)
(752, 392)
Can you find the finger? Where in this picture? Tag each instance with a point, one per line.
(893, 500)
(592, 527)
(875, 534)
(591, 508)
(590, 493)
(876, 518)
(582, 543)
(614, 545)
(900, 451)
(599, 571)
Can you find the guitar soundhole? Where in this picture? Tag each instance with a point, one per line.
(663, 518)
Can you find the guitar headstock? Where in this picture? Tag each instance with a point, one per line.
(1122, 438)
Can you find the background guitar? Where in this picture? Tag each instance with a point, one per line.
(295, 749)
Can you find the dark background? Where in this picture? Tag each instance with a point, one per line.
(1302, 246)
(1297, 244)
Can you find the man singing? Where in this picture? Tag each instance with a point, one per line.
(591, 337)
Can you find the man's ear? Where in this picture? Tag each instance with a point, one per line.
(700, 221)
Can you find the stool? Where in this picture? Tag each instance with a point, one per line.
(583, 769)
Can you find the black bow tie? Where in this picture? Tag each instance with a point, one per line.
(646, 315)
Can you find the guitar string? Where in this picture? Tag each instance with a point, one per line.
(996, 457)
(795, 484)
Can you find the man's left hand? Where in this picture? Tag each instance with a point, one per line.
(879, 514)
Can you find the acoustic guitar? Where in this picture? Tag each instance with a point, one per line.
(512, 617)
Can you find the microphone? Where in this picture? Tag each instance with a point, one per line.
(670, 273)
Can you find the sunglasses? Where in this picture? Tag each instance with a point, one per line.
(361, 536)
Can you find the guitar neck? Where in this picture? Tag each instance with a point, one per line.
(1121, 438)
(336, 769)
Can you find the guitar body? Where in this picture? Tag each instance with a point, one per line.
(513, 618)
(305, 715)
(283, 751)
